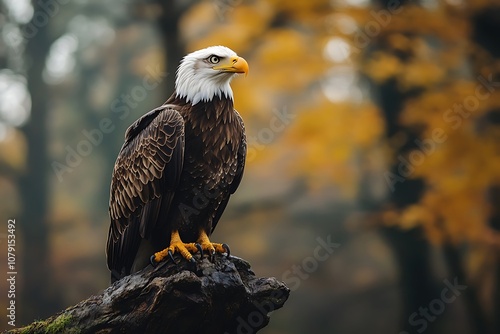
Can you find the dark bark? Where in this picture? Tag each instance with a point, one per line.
(495, 224)
(479, 321)
(168, 23)
(37, 296)
(418, 286)
(222, 296)
(411, 251)
(486, 24)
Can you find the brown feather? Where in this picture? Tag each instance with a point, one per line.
(171, 154)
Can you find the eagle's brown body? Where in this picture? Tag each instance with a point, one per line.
(176, 170)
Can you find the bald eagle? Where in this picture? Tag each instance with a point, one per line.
(178, 167)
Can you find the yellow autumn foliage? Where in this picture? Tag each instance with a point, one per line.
(383, 66)
(13, 150)
(313, 60)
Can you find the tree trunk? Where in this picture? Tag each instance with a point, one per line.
(168, 23)
(222, 296)
(418, 286)
(475, 310)
(36, 293)
(486, 24)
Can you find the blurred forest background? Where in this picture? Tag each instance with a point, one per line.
(372, 124)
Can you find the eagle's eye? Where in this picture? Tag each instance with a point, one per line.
(213, 59)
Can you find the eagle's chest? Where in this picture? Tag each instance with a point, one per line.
(210, 165)
(211, 152)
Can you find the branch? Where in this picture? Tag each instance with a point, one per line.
(222, 296)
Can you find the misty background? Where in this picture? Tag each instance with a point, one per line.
(373, 169)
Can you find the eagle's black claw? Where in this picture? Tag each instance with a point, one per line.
(153, 261)
(171, 256)
(212, 256)
(226, 248)
(192, 260)
(200, 249)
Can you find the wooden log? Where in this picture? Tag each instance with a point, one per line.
(223, 296)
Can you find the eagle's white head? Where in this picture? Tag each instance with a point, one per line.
(207, 73)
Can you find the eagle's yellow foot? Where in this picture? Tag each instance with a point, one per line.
(212, 247)
(176, 246)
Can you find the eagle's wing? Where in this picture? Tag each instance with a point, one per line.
(235, 173)
(145, 176)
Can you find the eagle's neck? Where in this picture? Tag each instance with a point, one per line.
(198, 88)
(204, 115)
(214, 108)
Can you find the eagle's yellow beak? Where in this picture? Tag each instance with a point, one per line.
(234, 65)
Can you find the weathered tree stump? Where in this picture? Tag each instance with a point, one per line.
(222, 296)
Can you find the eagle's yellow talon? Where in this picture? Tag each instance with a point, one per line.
(188, 249)
(176, 246)
(211, 247)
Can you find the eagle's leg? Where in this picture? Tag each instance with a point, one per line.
(212, 247)
(176, 246)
